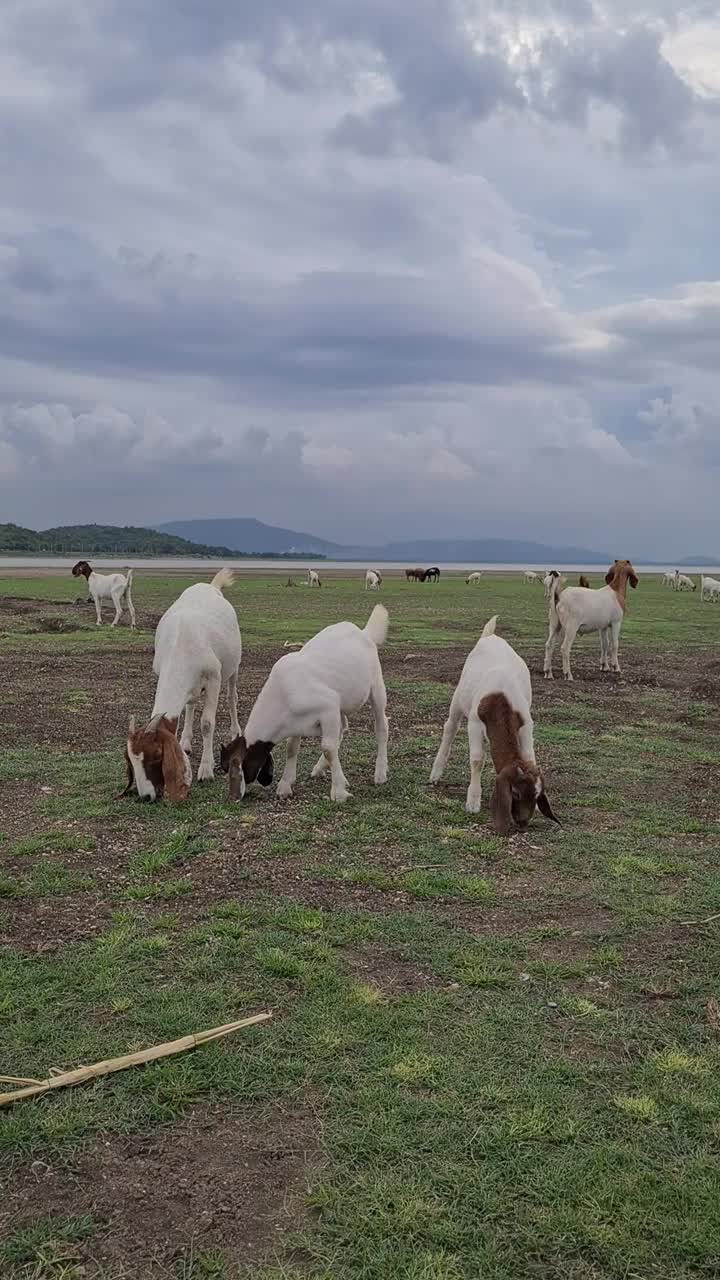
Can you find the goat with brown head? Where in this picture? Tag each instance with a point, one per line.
(244, 765)
(519, 789)
(156, 763)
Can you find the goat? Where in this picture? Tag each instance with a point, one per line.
(415, 575)
(584, 582)
(494, 696)
(432, 575)
(473, 577)
(709, 588)
(197, 649)
(108, 586)
(578, 610)
(548, 581)
(311, 694)
(373, 580)
(530, 576)
(684, 583)
(313, 578)
(668, 578)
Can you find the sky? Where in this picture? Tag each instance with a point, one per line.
(398, 268)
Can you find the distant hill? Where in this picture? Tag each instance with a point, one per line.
(246, 535)
(97, 539)
(253, 537)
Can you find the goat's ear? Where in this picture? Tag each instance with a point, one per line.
(174, 768)
(266, 772)
(236, 786)
(543, 805)
(130, 777)
(633, 579)
(609, 576)
(501, 805)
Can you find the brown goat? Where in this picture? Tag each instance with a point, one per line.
(159, 761)
(583, 581)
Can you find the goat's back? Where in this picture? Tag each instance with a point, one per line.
(493, 666)
(202, 620)
(595, 608)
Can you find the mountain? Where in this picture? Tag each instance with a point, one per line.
(95, 539)
(254, 537)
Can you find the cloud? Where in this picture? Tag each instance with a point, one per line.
(359, 267)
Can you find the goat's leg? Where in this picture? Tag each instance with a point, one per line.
(232, 688)
(567, 644)
(476, 742)
(331, 729)
(604, 649)
(550, 647)
(131, 610)
(206, 772)
(188, 726)
(378, 701)
(451, 726)
(117, 600)
(287, 782)
(321, 765)
(615, 630)
(98, 611)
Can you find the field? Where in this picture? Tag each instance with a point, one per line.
(488, 1058)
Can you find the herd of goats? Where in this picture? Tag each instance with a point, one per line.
(312, 691)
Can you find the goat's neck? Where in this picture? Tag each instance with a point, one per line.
(619, 586)
(504, 726)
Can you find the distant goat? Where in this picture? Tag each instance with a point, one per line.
(709, 588)
(314, 578)
(577, 611)
(108, 586)
(473, 578)
(684, 583)
(311, 694)
(494, 695)
(415, 575)
(432, 575)
(197, 650)
(584, 582)
(530, 576)
(668, 578)
(373, 580)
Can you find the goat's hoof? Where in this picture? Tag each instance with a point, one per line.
(549, 675)
(569, 678)
(381, 778)
(284, 793)
(318, 771)
(339, 795)
(473, 806)
(206, 773)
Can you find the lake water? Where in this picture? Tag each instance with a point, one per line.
(177, 564)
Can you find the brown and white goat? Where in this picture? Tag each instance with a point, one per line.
(579, 610)
(494, 695)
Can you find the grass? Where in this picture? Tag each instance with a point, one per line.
(504, 1051)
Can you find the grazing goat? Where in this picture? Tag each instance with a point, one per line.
(432, 575)
(311, 694)
(197, 649)
(709, 588)
(668, 578)
(530, 576)
(577, 611)
(373, 580)
(415, 575)
(548, 581)
(473, 578)
(683, 583)
(494, 695)
(108, 586)
(314, 578)
(584, 582)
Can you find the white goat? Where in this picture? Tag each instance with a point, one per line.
(373, 580)
(473, 578)
(311, 694)
(530, 576)
(709, 588)
(108, 586)
(314, 578)
(494, 695)
(548, 581)
(579, 610)
(683, 583)
(197, 650)
(668, 578)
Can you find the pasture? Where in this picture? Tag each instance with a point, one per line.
(488, 1058)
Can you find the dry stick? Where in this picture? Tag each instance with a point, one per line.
(707, 920)
(96, 1069)
(19, 1080)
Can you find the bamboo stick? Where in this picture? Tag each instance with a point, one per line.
(96, 1069)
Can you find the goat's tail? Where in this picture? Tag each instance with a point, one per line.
(555, 591)
(489, 628)
(223, 579)
(128, 584)
(376, 627)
